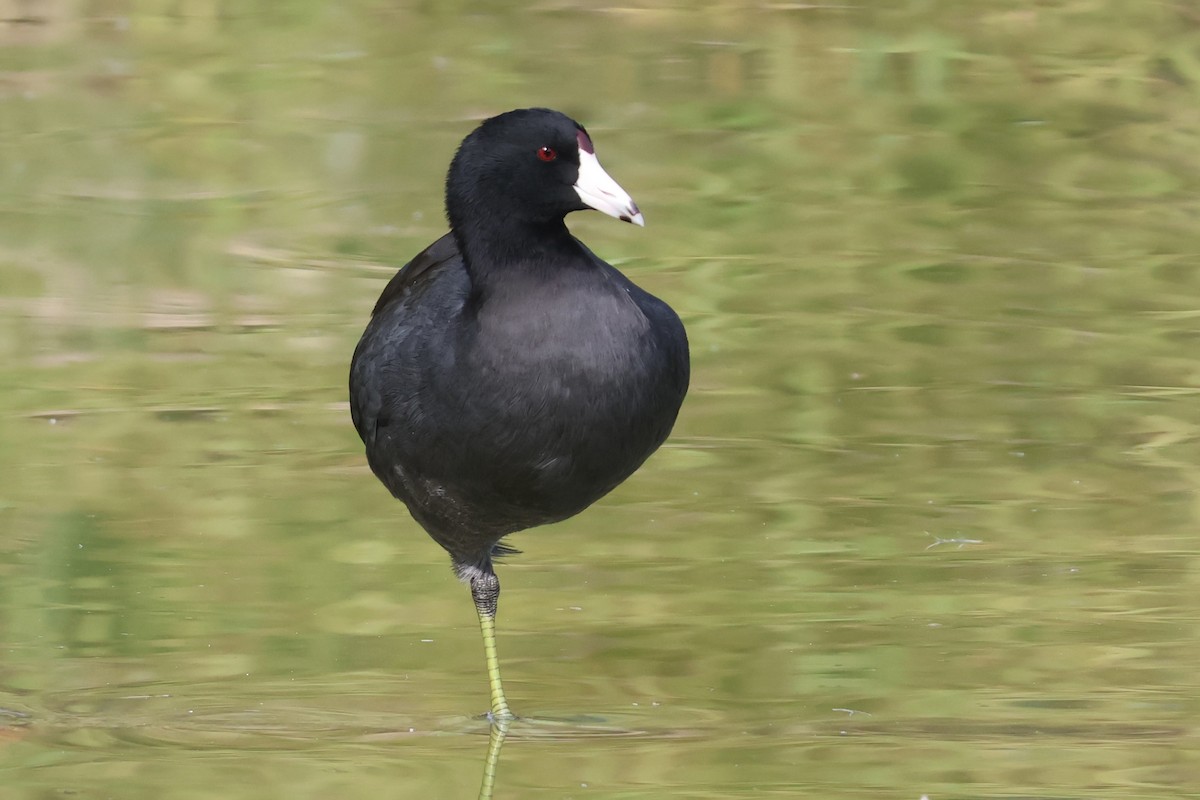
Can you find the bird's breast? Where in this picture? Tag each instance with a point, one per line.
(563, 388)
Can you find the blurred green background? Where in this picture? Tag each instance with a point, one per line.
(927, 524)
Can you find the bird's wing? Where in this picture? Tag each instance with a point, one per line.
(443, 250)
(378, 352)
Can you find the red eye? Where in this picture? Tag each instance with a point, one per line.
(547, 153)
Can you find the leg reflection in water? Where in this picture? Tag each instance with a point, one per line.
(495, 742)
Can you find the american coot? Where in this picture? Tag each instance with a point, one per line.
(508, 377)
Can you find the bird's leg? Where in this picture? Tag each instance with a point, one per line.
(485, 590)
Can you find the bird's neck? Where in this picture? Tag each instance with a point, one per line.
(496, 254)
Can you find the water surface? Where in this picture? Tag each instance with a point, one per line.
(927, 525)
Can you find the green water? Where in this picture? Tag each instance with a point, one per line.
(927, 525)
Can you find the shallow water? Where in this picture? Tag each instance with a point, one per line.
(927, 525)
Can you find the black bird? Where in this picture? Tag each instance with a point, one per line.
(509, 377)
